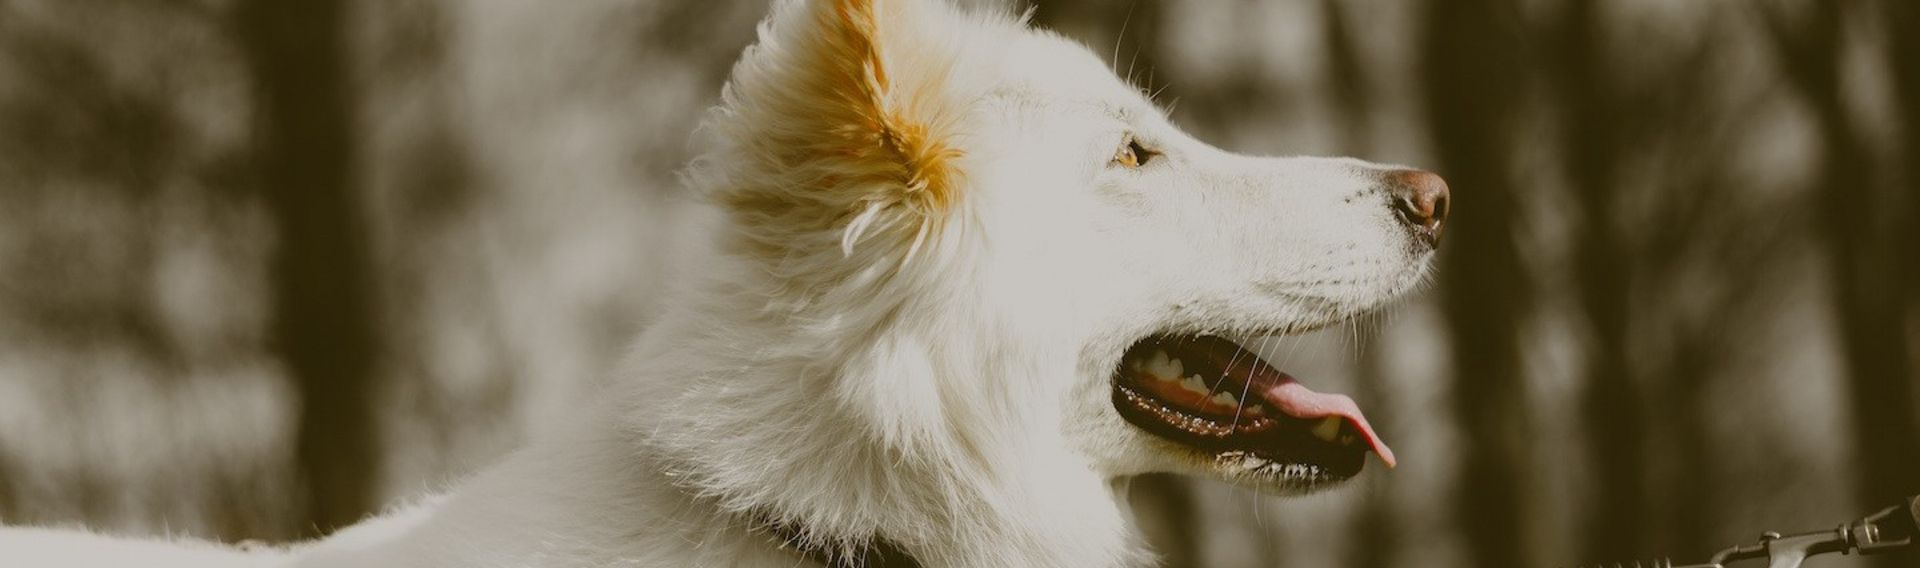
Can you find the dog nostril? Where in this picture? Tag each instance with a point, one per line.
(1422, 200)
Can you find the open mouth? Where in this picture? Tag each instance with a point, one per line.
(1211, 395)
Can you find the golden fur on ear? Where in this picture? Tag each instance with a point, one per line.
(878, 124)
(841, 112)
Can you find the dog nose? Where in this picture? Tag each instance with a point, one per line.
(1421, 199)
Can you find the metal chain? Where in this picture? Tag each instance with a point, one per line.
(1893, 528)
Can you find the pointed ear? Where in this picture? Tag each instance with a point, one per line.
(843, 117)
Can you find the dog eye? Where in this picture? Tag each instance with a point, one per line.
(1133, 155)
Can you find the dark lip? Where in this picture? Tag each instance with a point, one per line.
(1270, 436)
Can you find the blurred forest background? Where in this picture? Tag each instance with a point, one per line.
(270, 265)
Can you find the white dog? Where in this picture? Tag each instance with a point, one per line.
(963, 283)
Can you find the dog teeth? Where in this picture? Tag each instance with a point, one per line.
(1225, 399)
(1328, 430)
(1163, 368)
(1194, 385)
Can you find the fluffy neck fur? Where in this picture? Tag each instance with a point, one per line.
(836, 411)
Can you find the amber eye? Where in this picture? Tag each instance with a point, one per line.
(1133, 155)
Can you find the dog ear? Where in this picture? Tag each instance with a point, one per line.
(843, 114)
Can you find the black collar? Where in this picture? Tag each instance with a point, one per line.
(878, 553)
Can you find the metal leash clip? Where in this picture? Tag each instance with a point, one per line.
(1893, 528)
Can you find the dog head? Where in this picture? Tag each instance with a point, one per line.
(973, 249)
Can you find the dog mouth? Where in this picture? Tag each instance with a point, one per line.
(1213, 396)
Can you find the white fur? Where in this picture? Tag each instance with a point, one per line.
(868, 362)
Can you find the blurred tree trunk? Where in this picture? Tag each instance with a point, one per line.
(324, 328)
(9, 512)
(1613, 406)
(1902, 27)
(1699, 228)
(1471, 86)
(1865, 252)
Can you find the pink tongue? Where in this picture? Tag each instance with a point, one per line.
(1298, 401)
